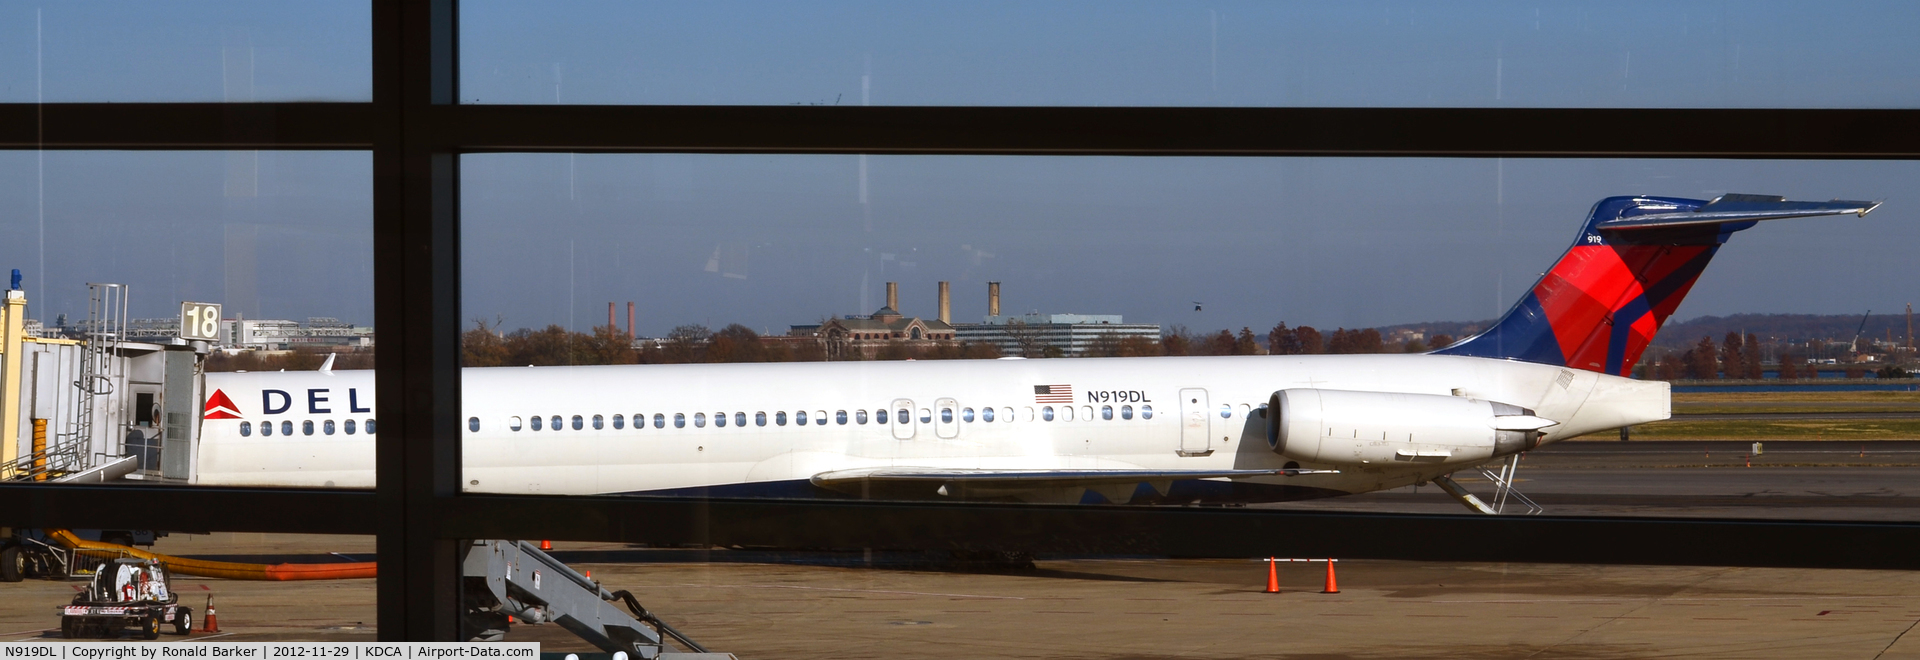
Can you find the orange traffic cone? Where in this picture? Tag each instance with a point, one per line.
(1333, 587)
(546, 545)
(213, 623)
(1273, 577)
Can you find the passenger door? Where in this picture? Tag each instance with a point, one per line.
(1196, 432)
(946, 418)
(902, 414)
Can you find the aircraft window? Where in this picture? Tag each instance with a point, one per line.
(860, 416)
(473, 424)
(659, 421)
(598, 423)
(1146, 412)
(819, 418)
(699, 420)
(966, 414)
(780, 418)
(513, 423)
(1047, 413)
(266, 428)
(246, 429)
(739, 419)
(1006, 415)
(1086, 413)
(1106, 412)
(679, 420)
(926, 416)
(760, 418)
(327, 427)
(840, 417)
(1126, 412)
(986, 414)
(720, 419)
(1245, 409)
(306, 427)
(1226, 411)
(1026, 413)
(538, 421)
(1066, 414)
(369, 427)
(800, 417)
(349, 425)
(880, 416)
(619, 421)
(578, 423)
(946, 415)
(902, 416)
(555, 423)
(286, 428)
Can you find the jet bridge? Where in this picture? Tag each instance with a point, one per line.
(514, 581)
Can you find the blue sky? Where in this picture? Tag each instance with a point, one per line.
(1326, 242)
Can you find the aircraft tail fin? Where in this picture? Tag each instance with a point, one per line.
(1599, 306)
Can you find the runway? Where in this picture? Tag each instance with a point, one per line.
(1801, 480)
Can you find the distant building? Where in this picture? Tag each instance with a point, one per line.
(281, 335)
(863, 337)
(1070, 335)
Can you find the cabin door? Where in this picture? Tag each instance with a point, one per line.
(1195, 433)
(946, 418)
(903, 419)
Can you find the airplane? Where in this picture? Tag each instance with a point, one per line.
(1139, 430)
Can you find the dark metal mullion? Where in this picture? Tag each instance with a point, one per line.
(1373, 132)
(1186, 531)
(416, 305)
(186, 508)
(182, 126)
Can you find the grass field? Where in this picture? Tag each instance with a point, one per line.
(1806, 424)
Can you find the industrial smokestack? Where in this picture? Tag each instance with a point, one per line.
(893, 295)
(946, 304)
(629, 321)
(993, 299)
(610, 326)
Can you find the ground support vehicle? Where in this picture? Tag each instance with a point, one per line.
(126, 593)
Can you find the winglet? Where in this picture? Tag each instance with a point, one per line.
(327, 367)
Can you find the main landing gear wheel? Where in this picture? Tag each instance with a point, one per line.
(13, 564)
(183, 621)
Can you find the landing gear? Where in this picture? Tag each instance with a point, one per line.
(13, 564)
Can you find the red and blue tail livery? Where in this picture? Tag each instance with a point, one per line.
(1635, 259)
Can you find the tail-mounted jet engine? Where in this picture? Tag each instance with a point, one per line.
(1354, 428)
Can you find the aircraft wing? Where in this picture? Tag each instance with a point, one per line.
(963, 483)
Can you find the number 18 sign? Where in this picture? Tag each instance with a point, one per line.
(200, 321)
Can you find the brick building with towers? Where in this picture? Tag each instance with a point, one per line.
(863, 337)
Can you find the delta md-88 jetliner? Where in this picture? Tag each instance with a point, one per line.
(1154, 430)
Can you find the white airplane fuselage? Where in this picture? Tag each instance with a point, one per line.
(1206, 413)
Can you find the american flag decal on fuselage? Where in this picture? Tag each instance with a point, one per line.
(1053, 394)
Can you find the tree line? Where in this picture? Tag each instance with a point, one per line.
(1738, 358)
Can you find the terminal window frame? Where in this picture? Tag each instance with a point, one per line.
(415, 132)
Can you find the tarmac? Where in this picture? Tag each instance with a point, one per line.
(850, 605)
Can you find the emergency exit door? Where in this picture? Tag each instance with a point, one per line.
(1196, 432)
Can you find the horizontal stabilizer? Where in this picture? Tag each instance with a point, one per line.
(1736, 208)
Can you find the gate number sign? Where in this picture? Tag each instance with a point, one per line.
(200, 321)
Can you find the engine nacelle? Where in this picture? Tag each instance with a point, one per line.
(1354, 428)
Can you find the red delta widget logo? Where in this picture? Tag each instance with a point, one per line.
(319, 401)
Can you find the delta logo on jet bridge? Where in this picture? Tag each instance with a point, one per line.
(221, 407)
